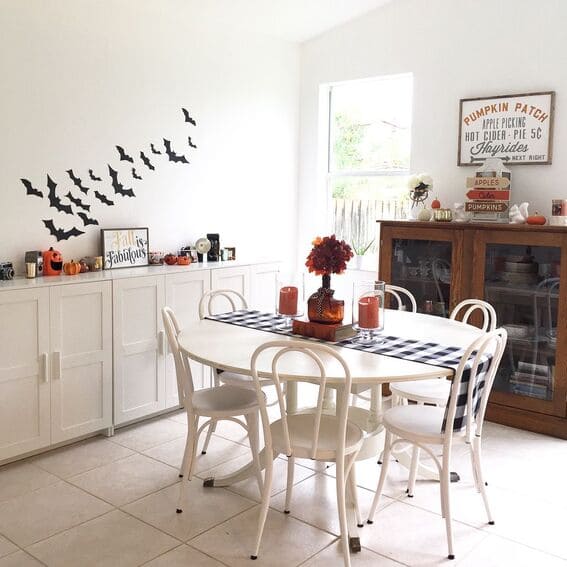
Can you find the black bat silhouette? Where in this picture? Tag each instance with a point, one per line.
(146, 161)
(118, 187)
(188, 118)
(154, 151)
(31, 190)
(103, 199)
(135, 174)
(123, 155)
(78, 202)
(191, 144)
(59, 233)
(77, 181)
(54, 200)
(171, 154)
(93, 176)
(86, 220)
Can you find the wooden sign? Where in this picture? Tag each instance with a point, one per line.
(488, 182)
(488, 195)
(515, 128)
(124, 247)
(485, 207)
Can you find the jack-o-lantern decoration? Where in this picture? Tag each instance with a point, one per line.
(183, 260)
(72, 268)
(170, 259)
(52, 262)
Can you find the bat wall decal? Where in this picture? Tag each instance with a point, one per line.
(54, 200)
(123, 155)
(30, 190)
(146, 161)
(103, 199)
(188, 118)
(117, 186)
(60, 233)
(135, 174)
(77, 181)
(86, 220)
(154, 151)
(93, 176)
(171, 154)
(191, 144)
(78, 202)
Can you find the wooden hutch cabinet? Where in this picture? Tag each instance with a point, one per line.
(522, 271)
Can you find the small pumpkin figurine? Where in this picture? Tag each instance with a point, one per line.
(183, 260)
(536, 218)
(170, 259)
(72, 268)
(52, 262)
(84, 267)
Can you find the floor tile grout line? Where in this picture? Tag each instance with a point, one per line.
(28, 553)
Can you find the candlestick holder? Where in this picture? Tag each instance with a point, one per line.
(368, 310)
(290, 298)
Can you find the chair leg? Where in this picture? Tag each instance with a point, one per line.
(188, 458)
(354, 494)
(269, 472)
(252, 424)
(477, 464)
(341, 505)
(413, 470)
(383, 473)
(211, 430)
(446, 504)
(289, 487)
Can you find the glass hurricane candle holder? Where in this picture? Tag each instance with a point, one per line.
(368, 310)
(289, 298)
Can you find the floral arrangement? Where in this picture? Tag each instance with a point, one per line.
(421, 182)
(328, 256)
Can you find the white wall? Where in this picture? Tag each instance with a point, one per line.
(455, 49)
(80, 76)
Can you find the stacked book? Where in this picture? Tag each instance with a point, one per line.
(535, 380)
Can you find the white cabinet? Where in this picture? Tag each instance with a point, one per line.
(235, 277)
(263, 282)
(81, 359)
(24, 376)
(139, 347)
(55, 365)
(182, 293)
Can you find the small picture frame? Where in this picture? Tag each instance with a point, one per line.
(124, 247)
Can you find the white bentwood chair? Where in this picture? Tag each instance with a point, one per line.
(310, 434)
(422, 425)
(220, 402)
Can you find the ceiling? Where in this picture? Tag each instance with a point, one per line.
(292, 20)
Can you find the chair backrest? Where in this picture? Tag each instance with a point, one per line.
(235, 299)
(469, 306)
(185, 386)
(401, 293)
(295, 355)
(472, 383)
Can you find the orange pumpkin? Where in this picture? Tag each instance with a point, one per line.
(170, 259)
(72, 268)
(536, 218)
(183, 260)
(52, 262)
(436, 203)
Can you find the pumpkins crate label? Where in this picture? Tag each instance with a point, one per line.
(486, 207)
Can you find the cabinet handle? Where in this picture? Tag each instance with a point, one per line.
(45, 367)
(57, 365)
(161, 342)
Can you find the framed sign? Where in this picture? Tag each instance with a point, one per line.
(517, 129)
(125, 247)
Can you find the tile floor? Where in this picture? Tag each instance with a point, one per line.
(111, 502)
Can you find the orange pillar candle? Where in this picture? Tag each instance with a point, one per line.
(288, 300)
(368, 312)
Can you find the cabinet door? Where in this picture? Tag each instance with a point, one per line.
(426, 261)
(182, 293)
(24, 376)
(263, 282)
(81, 359)
(139, 346)
(518, 272)
(237, 278)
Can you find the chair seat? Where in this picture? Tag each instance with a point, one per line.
(432, 391)
(416, 422)
(224, 400)
(301, 428)
(240, 380)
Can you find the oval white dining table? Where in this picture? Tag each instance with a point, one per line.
(230, 347)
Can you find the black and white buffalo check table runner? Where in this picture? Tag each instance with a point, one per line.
(398, 347)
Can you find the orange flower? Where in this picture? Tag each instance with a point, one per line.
(328, 256)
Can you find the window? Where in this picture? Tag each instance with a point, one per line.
(368, 154)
